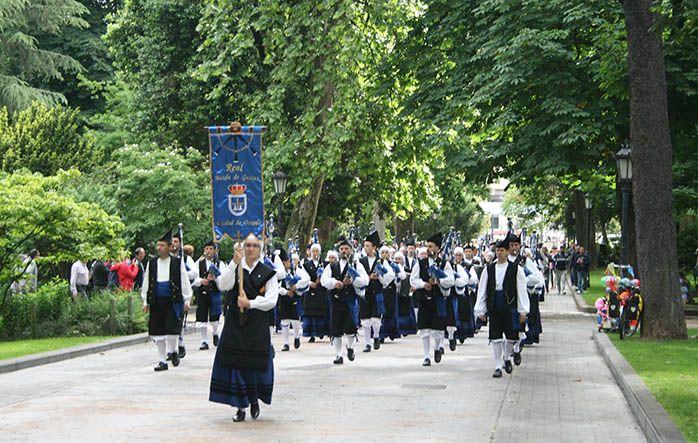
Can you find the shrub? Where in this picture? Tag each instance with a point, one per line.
(56, 315)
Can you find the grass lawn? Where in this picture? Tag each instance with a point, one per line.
(670, 370)
(18, 348)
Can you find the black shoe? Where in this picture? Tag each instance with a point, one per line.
(350, 354)
(254, 410)
(312, 340)
(285, 348)
(376, 344)
(296, 343)
(508, 367)
(339, 360)
(426, 362)
(239, 416)
(182, 352)
(367, 348)
(215, 340)
(169, 357)
(452, 345)
(161, 367)
(462, 340)
(382, 340)
(497, 373)
(203, 347)
(437, 356)
(517, 358)
(175, 359)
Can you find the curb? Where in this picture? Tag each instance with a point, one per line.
(655, 422)
(44, 358)
(582, 305)
(15, 364)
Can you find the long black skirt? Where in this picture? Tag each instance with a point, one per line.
(241, 387)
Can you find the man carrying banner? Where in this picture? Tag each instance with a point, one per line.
(165, 292)
(243, 369)
(344, 279)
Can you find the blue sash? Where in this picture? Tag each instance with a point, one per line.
(353, 307)
(380, 303)
(299, 305)
(162, 290)
(440, 306)
(216, 307)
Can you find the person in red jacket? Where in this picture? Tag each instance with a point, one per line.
(127, 272)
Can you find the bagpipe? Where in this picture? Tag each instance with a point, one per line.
(179, 307)
(435, 271)
(396, 270)
(316, 240)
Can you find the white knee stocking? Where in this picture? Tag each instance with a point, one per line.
(498, 349)
(162, 347)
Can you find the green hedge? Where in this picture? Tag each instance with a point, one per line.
(51, 312)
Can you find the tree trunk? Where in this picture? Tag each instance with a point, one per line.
(302, 220)
(652, 160)
(580, 225)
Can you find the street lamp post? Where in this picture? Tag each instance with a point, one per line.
(280, 179)
(587, 205)
(625, 176)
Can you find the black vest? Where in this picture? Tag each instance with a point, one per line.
(409, 264)
(347, 291)
(203, 272)
(509, 286)
(175, 279)
(423, 264)
(311, 269)
(247, 346)
(374, 286)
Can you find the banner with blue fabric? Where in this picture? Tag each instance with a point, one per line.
(236, 181)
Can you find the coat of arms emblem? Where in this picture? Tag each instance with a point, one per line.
(237, 199)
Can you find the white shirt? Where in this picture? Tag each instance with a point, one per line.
(197, 281)
(263, 302)
(329, 282)
(384, 279)
(535, 277)
(500, 269)
(302, 284)
(445, 283)
(164, 276)
(79, 276)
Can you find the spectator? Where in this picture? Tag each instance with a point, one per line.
(127, 273)
(685, 287)
(79, 279)
(100, 275)
(29, 274)
(542, 260)
(561, 262)
(583, 263)
(140, 262)
(573, 264)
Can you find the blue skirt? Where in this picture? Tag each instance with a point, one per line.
(314, 326)
(241, 387)
(407, 322)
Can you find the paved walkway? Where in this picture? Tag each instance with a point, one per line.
(562, 392)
